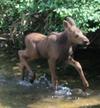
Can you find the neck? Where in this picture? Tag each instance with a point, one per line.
(69, 37)
(63, 38)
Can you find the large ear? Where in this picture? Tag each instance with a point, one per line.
(71, 21)
(66, 24)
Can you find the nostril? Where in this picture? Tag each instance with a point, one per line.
(86, 42)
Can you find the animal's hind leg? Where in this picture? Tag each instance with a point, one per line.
(21, 66)
(24, 57)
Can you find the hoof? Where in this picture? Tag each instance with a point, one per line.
(31, 80)
(85, 89)
(86, 86)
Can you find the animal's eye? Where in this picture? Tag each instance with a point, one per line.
(76, 36)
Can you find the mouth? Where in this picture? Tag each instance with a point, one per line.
(87, 43)
(84, 45)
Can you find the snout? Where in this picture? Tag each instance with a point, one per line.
(86, 41)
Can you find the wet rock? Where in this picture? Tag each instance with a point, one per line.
(79, 92)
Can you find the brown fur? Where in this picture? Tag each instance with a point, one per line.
(57, 46)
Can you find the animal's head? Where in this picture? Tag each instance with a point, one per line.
(75, 34)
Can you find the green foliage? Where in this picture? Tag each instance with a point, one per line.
(19, 17)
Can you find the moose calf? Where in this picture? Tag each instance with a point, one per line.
(55, 47)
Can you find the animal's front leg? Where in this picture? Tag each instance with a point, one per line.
(78, 67)
(52, 67)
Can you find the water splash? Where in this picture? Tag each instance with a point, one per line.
(41, 82)
(61, 91)
(24, 83)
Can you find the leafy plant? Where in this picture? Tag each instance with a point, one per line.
(19, 17)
